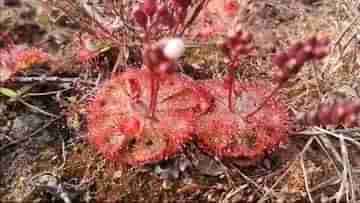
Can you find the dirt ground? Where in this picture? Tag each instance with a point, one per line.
(44, 156)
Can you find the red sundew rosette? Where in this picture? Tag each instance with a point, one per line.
(273, 118)
(106, 131)
(28, 57)
(228, 135)
(159, 139)
(120, 126)
(19, 58)
(215, 131)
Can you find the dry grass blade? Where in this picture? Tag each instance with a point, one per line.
(347, 179)
(311, 133)
(344, 181)
(252, 182)
(324, 69)
(226, 171)
(331, 151)
(55, 92)
(306, 178)
(351, 140)
(347, 188)
(233, 192)
(331, 182)
(320, 141)
(270, 191)
(346, 30)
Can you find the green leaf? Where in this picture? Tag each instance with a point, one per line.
(7, 92)
(92, 46)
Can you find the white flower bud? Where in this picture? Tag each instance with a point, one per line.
(174, 48)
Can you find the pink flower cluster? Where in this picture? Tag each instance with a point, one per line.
(289, 63)
(340, 112)
(154, 15)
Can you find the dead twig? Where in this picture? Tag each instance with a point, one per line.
(52, 79)
(311, 133)
(270, 190)
(19, 141)
(351, 140)
(233, 192)
(35, 108)
(305, 178)
(226, 171)
(194, 15)
(55, 92)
